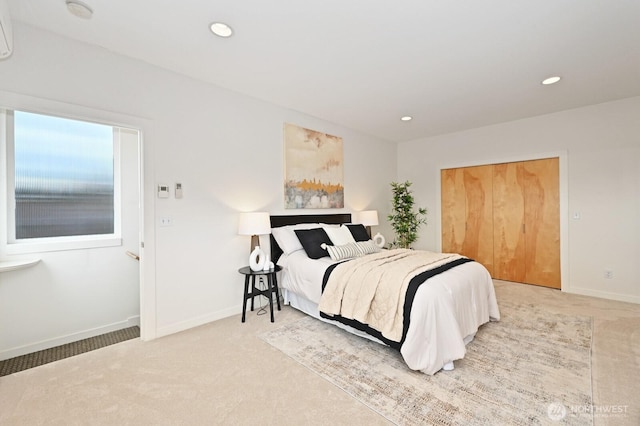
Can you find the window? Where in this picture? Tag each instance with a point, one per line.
(61, 179)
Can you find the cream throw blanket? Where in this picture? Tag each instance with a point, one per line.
(371, 289)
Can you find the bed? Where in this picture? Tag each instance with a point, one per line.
(445, 312)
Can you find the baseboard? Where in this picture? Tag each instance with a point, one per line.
(198, 321)
(133, 321)
(603, 294)
(73, 337)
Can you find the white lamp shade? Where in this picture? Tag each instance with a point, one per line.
(254, 223)
(368, 217)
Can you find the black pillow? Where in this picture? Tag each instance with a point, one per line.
(311, 240)
(359, 232)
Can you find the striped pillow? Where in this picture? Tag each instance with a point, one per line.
(345, 251)
(367, 247)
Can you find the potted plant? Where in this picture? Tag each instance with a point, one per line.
(404, 220)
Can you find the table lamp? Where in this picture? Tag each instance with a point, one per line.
(368, 218)
(255, 224)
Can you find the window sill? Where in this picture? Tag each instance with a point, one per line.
(7, 265)
(63, 245)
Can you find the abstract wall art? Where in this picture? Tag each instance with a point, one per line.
(313, 171)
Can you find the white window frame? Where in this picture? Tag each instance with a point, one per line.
(7, 195)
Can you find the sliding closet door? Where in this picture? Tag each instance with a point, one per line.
(508, 222)
(527, 222)
(453, 210)
(467, 213)
(542, 222)
(478, 241)
(507, 217)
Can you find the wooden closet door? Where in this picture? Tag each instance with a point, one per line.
(542, 222)
(453, 210)
(467, 213)
(478, 240)
(507, 217)
(508, 222)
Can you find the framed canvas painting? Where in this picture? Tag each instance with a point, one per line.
(313, 172)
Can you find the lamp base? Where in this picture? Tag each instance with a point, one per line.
(255, 241)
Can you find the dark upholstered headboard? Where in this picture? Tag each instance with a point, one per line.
(277, 221)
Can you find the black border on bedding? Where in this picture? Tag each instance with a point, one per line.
(412, 289)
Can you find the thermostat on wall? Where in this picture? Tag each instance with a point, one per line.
(163, 191)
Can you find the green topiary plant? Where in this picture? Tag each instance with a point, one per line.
(404, 220)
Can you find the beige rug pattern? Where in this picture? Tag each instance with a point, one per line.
(532, 367)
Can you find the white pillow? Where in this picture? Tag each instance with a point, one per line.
(287, 239)
(339, 236)
(330, 225)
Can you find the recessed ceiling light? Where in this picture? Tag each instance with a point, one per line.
(406, 118)
(79, 9)
(551, 80)
(221, 29)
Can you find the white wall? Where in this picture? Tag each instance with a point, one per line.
(601, 146)
(226, 150)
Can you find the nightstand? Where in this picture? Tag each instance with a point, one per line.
(272, 287)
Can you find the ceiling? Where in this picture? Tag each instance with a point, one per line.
(452, 65)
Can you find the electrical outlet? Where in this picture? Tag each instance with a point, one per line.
(166, 221)
(608, 274)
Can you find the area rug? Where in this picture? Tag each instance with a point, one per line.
(531, 367)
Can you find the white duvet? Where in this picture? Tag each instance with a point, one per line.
(447, 310)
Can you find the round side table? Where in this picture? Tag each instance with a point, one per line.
(272, 287)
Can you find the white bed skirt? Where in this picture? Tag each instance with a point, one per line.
(308, 307)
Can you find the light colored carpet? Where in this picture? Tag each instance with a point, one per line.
(529, 368)
(224, 373)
